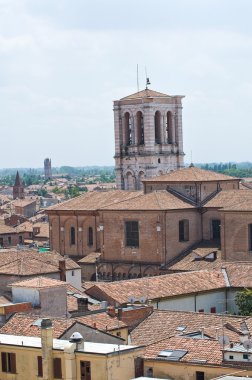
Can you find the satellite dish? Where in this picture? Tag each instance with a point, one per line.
(247, 344)
(223, 339)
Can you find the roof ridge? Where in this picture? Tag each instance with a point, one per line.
(121, 201)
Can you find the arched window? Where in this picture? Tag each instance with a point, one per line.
(128, 129)
(90, 236)
(72, 236)
(184, 230)
(140, 128)
(130, 181)
(157, 127)
(141, 177)
(169, 135)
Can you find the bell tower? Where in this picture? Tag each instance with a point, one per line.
(18, 188)
(148, 137)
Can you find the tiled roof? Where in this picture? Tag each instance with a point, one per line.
(23, 324)
(95, 200)
(230, 198)
(31, 262)
(191, 174)
(23, 202)
(239, 274)
(147, 93)
(158, 287)
(198, 350)
(164, 324)
(90, 258)
(199, 258)
(102, 321)
(39, 283)
(6, 229)
(156, 200)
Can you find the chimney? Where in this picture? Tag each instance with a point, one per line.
(47, 347)
(120, 313)
(82, 303)
(111, 311)
(62, 269)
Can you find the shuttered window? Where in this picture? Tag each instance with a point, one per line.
(40, 366)
(8, 362)
(57, 372)
(131, 234)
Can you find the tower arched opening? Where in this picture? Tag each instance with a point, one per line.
(140, 128)
(157, 127)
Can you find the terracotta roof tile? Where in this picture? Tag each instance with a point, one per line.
(229, 198)
(102, 321)
(39, 283)
(156, 200)
(95, 200)
(164, 324)
(191, 174)
(158, 287)
(23, 324)
(90, 258)
(147, 93)
(31, 262)
(206, 350)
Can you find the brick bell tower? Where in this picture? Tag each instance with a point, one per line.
(148, 137)
(18, 188)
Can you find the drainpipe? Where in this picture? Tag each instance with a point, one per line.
(47, 347)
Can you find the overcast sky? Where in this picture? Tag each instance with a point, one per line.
(63, 62)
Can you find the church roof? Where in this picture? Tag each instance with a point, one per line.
(147, 93)
(191, 174)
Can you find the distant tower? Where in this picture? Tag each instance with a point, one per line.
(18, 188)
(148, 137)
(47, 168)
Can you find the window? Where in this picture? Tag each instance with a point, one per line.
(140, 128)
(132, 234)
(200, 375)
(72, 236)
(40, 366)
(1, 242)
(90, 236)
(73, 273)
(8, 362)
(157, 127)
(250, 237)
(231, 357)
(184, 230)
(85, 370)
(213, 309)
(57, 372)
(20, 239)
(245, 356)
(9, 240)
(201, 310)
(119, 334)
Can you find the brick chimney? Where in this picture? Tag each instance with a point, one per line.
(47, 347)
(82, 303)
(62, 269)
(111, 311)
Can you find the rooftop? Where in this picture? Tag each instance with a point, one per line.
(165, 324)
(191, 174)
(147, 93)
(163, 286)
(89, 347)
(39, 283)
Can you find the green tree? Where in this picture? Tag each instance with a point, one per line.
(243, 300)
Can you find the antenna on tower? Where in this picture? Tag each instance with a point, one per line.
(147, 79)
(137, 79)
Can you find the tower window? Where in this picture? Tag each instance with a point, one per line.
(157, 127)
(72, 236)
(140, 128)
(131, 234)
(169, 137)
(127, 129)
(184, 230)
(159, 160)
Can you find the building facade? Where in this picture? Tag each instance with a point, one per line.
(148, 137)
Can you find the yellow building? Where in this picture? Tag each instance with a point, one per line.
(46, 358)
